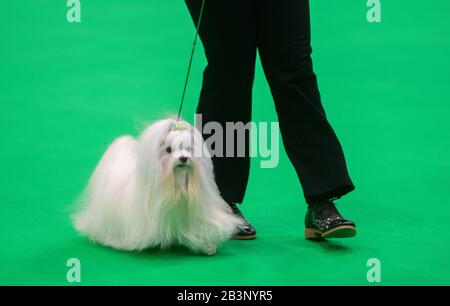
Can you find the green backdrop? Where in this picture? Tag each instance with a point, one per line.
(67, 90)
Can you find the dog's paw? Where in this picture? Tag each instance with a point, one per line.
(209, 251)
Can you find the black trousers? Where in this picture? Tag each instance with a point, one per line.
(232, 31)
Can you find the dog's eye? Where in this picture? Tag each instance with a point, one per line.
(169, 150)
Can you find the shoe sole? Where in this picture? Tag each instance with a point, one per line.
(248, 237)
(344, 231)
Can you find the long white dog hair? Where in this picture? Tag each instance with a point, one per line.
(156, 192)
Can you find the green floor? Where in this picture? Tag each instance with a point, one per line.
(66, 90)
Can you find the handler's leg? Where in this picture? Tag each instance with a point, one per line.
(229, 38)
(283, 28)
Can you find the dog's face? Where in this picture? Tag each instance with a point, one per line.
(179, 160)
(170, 154)
(177, 150)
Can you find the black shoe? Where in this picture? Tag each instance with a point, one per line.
(247, 231)
(323, 220)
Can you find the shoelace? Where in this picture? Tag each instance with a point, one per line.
(327, 209)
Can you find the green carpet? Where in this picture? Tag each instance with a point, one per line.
(67, 90)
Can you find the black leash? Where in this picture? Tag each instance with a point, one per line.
(191, 59)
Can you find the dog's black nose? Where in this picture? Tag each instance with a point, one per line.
(183, 159)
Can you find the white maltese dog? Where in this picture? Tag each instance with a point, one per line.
(155, 192)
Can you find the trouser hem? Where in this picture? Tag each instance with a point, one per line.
(332, 195)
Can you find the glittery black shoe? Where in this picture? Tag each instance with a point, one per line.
(247, 231)
(323, 220)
